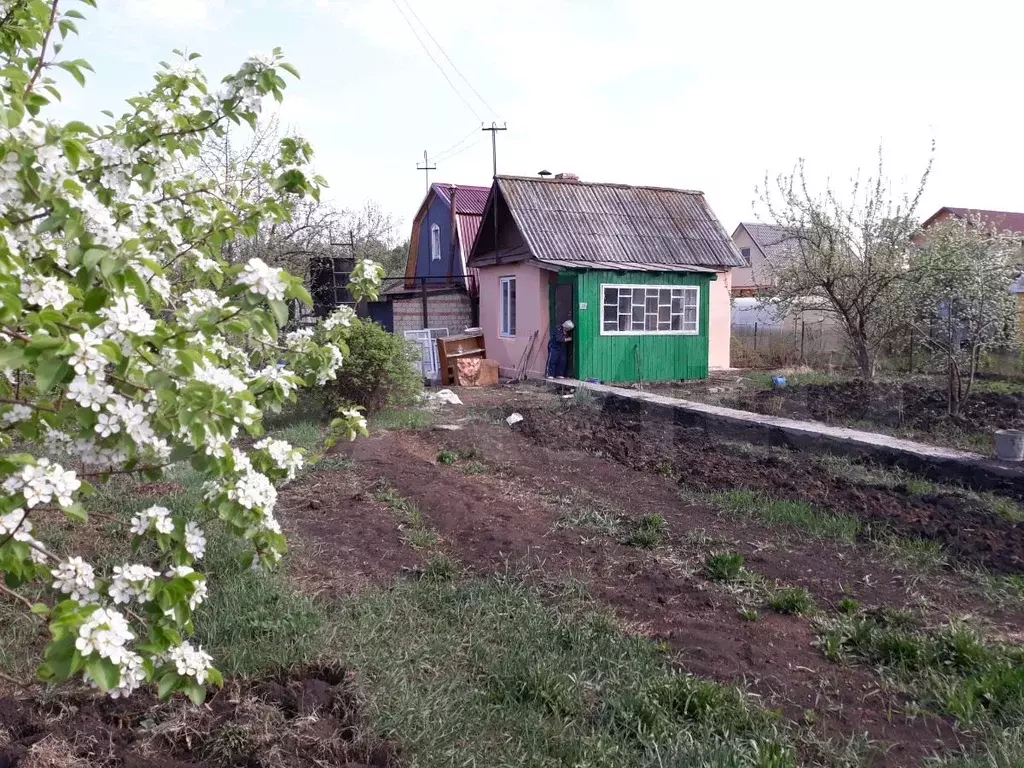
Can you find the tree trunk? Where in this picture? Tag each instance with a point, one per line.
(865, 361)
(952, 392)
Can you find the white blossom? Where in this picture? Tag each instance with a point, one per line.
(76, 579)
(253, 490)
(154, 518)
(16, 413)
(276, 375)
(107, 424)
(87, 358)
(222, 378)
(44, 291)
(263, 279)
(283, 455)
(191, 661)
(131, 582)
(43, 482)
(340, 317)
(199, 589)
(195, 541)
(89, 393)
(206, 264)
(127, 315)
(105, 633)
(200, 300)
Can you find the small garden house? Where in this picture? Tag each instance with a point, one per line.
(643, 272)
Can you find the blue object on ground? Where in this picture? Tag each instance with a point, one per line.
(779, 381)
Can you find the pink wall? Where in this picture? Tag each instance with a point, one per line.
(719, 320)
(531, 315)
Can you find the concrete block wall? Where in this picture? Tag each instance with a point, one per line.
(453, 311)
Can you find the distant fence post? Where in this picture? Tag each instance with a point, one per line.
(803, 329)
(755, 337)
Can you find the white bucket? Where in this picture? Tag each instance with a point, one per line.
(1010, 444)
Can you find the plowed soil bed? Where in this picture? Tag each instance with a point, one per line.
(304, 720)
(500, 510)
(888, 406)
(972, 533)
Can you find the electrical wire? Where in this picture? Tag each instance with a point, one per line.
(459, 143)
(464, 149)
(440, 69)
(449, 59)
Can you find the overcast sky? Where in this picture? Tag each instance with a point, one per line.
(708, 96)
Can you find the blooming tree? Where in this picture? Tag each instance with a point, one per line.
(961, 299)
(128, 345)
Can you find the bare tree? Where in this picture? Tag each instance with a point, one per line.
(962, 304)
(314, 229)
(849, 255)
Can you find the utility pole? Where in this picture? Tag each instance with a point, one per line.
(494, 142)
(426, 168)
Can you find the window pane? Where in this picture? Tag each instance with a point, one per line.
(677, 293)
(651, 323)
(638, 315)
(612, 325)
(611, 295)
(690, 314)
(664, 325)
(639, 296)
(610, 313)
(677, 304)
(512, 307)
(663, 314)
(664, 296)
(677, 322)
(625, 299)
(652, 303)
(690, 327)
(690, 298)
(624, 322)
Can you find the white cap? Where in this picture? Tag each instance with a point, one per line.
(568, 325)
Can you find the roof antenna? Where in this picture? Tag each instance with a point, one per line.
(543, 174)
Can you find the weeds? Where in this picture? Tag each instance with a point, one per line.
(952, 671)
(484, 674)
(579, 509)
(647, 533)
(791, 600)
(402, 418)
(848, 605)
(723, 567)
(749, 614)
(447, 457)
(797, 514)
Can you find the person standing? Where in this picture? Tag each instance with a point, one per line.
(558, 350)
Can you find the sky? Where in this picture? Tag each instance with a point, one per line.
(709, 96)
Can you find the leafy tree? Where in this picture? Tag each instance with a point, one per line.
(961, 299)
(381, 370)
(849, 256)
(128, 344)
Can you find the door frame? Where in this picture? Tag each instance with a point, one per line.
(571, 279)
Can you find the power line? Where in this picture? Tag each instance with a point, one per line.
(458, 143)
(449, 59)
(464, 149)
(431, 56)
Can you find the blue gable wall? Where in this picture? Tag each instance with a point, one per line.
(438, 212)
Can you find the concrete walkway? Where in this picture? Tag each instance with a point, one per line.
(940, 463)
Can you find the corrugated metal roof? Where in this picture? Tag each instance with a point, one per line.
(1001, 221)
(630, 266)
(772, 239)
(469, 225)
(577, 223)
(468, 199)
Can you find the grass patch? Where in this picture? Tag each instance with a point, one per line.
(579, 509)
(791, 600)
(402, 418)
(951, 671)
(848, 605)
(723, 567)
(923, 554)
(796, 514)
(447, 458)
(647, 532)
(483, 673)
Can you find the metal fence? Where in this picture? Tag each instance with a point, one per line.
(794, 342)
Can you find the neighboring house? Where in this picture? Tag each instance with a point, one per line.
(643, 272)
(997, 221)
(760, 245)
(437, 295)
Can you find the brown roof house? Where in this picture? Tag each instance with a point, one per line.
(760, 245)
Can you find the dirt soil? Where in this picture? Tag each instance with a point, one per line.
(308, 719)
(972, 533)
(890, 406)
(507, 516)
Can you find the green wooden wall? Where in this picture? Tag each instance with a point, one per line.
(666, 357)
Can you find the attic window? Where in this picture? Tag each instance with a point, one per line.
(746, 254)
(435, 243)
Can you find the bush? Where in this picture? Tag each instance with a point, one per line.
(381, 370)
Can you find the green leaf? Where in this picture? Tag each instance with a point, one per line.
(95, 299)
(41, 609)
(280, 311)
(72, 68)
(290, 69)
(77, 513)
(196, 692)
(12, 357)
(103, 672)
(50, 372)
(168, 684)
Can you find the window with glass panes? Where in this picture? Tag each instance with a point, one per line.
(643, 309)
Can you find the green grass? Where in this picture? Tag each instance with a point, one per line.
(402, 418)
(647, 532)
(579, 509)
(482, 673)
(1002, 749)
(723, 567)
(447, 457)
(796, 514)
(791, 600)
(951, 671)
(848, 605)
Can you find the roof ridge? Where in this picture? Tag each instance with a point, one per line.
(580, 182)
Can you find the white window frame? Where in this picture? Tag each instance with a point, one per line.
(435, 243)
(506, 309)
(684, 289)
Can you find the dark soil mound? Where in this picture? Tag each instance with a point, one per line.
(887, 405)
(969, 531)
(306, 719)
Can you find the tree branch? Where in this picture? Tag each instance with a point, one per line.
(42, 51)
